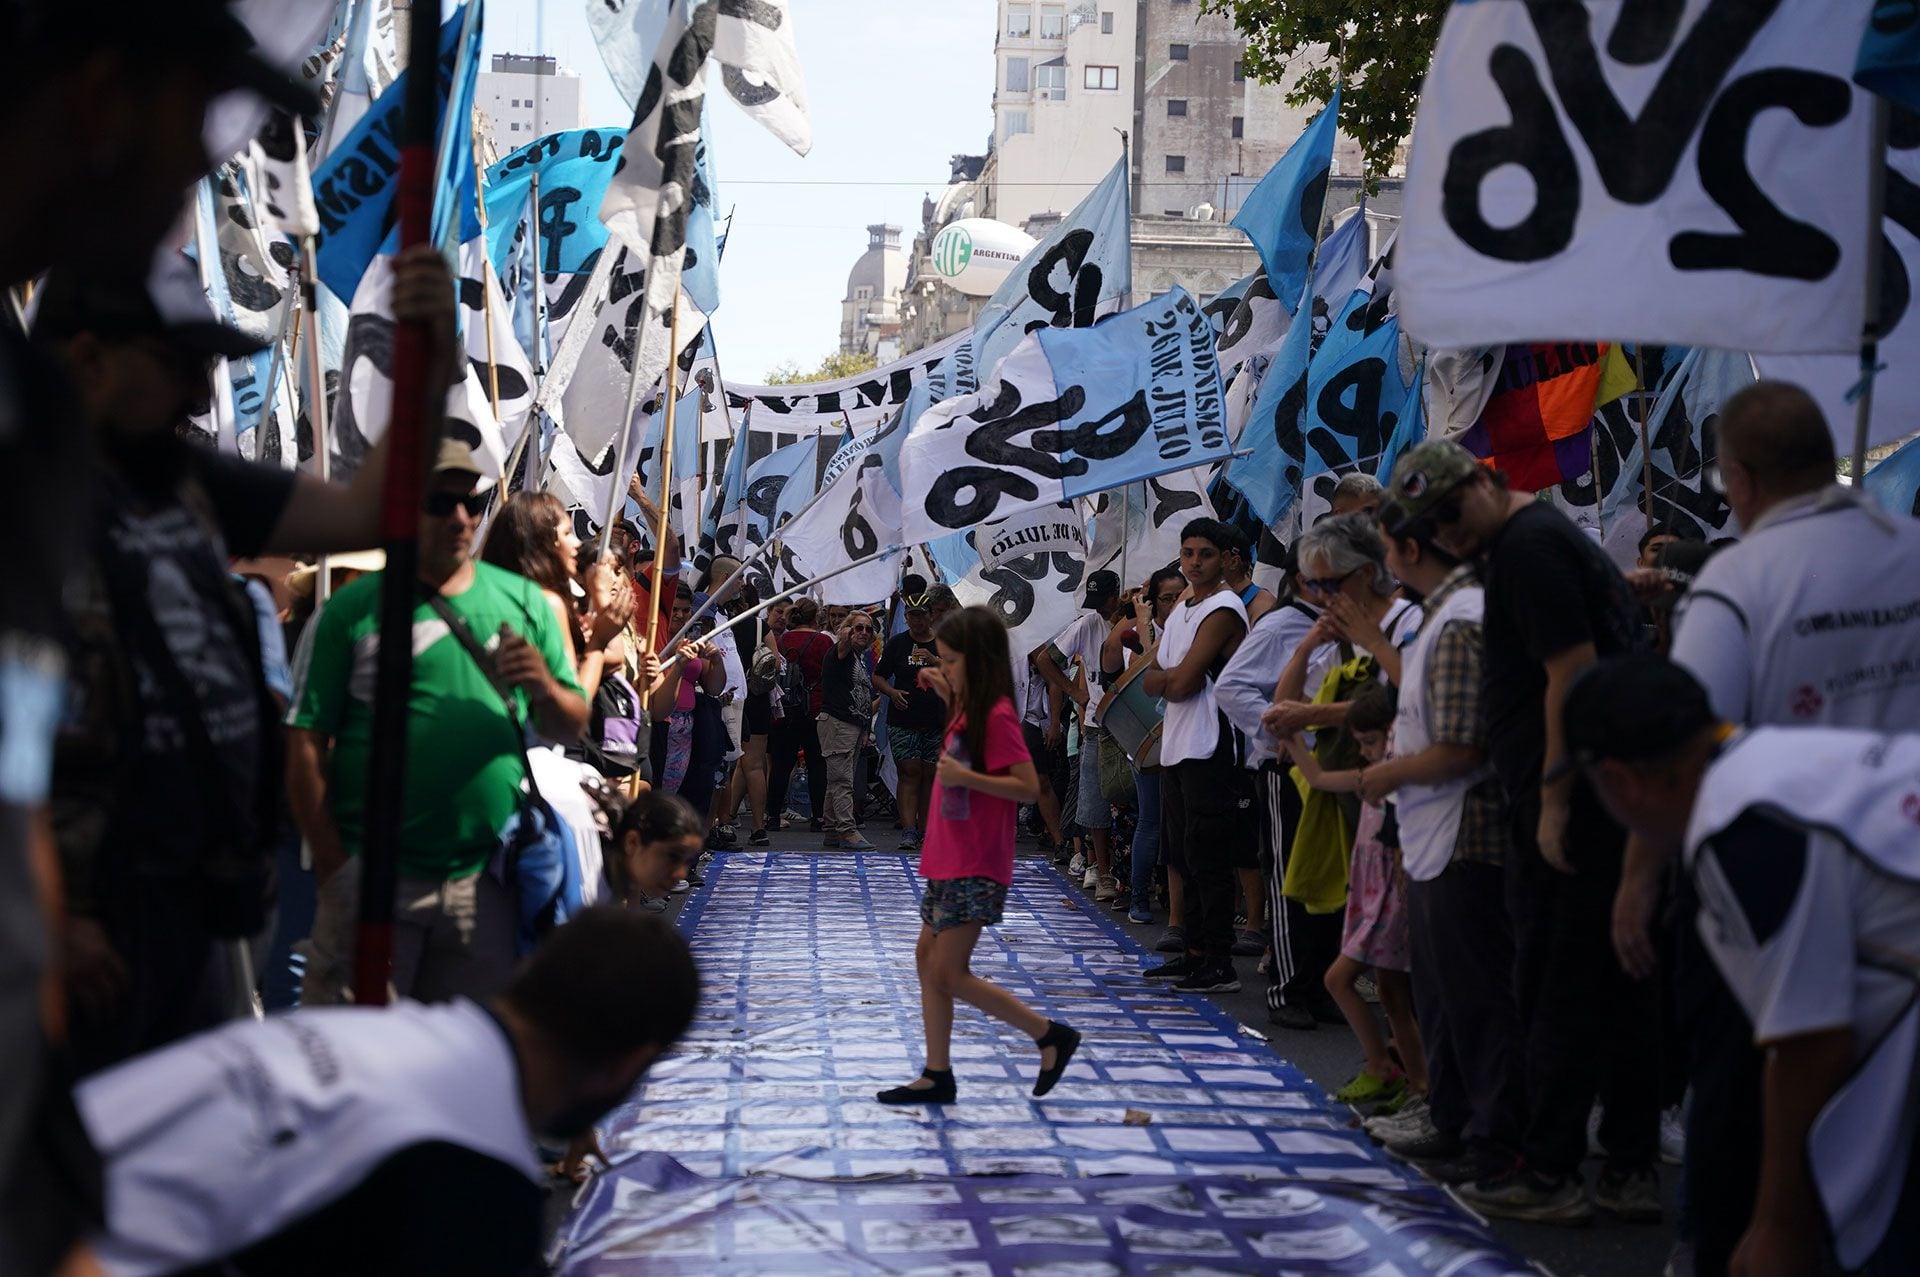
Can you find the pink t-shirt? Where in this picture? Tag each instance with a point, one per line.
(683, 704)
(981, 844)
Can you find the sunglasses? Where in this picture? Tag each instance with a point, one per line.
(1326, 584)
(441, 505)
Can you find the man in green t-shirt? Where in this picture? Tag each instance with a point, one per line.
(453, 922)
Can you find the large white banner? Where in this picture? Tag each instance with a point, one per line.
(1029, 573)
(1896, 389)
(856, 519)
(1069, 412)
(865, 400)
(1613, 171)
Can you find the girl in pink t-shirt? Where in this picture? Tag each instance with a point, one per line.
(983, 776)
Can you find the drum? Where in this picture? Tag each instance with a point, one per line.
(1134, 718)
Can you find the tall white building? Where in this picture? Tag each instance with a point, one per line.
(523, 98)
(870, 312)
(1063, 93)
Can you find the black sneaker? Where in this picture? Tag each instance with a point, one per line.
(1474, 1164)
(1211, 977)
(758, 838)
(1176, 969)
(1428, 1146)
(1523, 1194)
(1631, 1195)
(1173, 940)
(1288, 1016)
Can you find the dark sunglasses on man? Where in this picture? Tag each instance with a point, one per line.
(441, 505)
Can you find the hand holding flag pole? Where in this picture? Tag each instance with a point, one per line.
(399, 528)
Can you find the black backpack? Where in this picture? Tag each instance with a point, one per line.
(796, 694)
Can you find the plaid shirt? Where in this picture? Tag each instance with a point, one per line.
(1457, 714)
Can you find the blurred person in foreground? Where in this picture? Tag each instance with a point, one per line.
(1799, 843)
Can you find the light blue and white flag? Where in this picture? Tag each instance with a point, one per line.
(574, 169)
(1221, 306)
(1270, 472)
(368, 68)
(1363, 389)
(354, 188)
(1677, 430)
(855, 520)
(1069, 412)
(1282, 214)
(1080, 273)
(720, 529)
(1895, 482)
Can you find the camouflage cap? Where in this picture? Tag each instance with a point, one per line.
(1423, 479)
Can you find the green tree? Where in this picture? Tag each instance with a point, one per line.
(835, 366)
(1384, 47)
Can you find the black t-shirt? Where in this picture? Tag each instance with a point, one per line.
(901, 661)
(1548, 588)
(846, 686)
(173, 602)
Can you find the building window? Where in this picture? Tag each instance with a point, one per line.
(1239, 126)
(1051, 80)
(1175, 212)
(1020, 23)
(1053, 24)
(1017, 124)
(1102, 77)
(1178, 52)
(1106, 24)
(1176, 164)
(1017, 81)
(1239, 72)
(1177, 108)
(863, 293)
(513, 128)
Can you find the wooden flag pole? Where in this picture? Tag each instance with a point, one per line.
(1646, 445)
(401, 501)
(666, 476)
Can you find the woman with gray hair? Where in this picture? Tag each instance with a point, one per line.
(1343, 571)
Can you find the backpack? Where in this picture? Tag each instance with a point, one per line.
(617, 733)
(796, 696)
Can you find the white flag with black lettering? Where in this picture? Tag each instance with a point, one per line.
(1029, 573)
(1071, 411)
(1690, 174)
(855, 520)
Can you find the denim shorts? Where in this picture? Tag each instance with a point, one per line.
(956, 902)
(1095, 811)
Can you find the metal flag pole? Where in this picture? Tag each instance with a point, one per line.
(401, 502)
(537, 450)
(1870, 334)
(775, 601)
(319, 406)
(486, 273)
(1646, 446)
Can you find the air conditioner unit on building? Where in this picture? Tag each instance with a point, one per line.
(1201, 213)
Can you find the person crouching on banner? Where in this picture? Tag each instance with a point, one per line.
(378, 1141)
(1800, 845)
(983, 776)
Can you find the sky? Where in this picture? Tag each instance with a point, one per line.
(896, 88)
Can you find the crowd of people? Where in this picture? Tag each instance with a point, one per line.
(1606, 847)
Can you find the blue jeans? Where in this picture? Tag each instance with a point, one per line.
(1146, 834)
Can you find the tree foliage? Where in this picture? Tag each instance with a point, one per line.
(1383, 46)
(835, 366)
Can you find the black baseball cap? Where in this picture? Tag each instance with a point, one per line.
(168, 303)
(1631, 708)
(205, 34)
(1101, 586)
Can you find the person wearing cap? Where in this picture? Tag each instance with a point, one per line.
(1812, 620)
(166, 780)
(1206, 796)
(104, 106)
(1801, 846)
(1447, 804)
(454, 923)
(1554, 604)
(1082, 644)
(916, 717)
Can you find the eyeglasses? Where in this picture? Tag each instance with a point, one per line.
(441, 505)
(1326, 584)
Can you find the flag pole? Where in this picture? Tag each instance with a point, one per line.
(538, 465)
(1870, 333)
(1646, 447)
(401, 501)
(780, 598)
(486, 276)
(666, 474)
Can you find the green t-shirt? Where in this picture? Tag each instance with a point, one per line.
(464, 771)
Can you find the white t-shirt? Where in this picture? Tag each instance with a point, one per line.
(729, 650)
(1813, 619)
(1192, 727)
(1082, 642)
(230, 1137)
(1805, 853)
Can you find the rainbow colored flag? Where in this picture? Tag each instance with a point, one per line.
(1537, 425)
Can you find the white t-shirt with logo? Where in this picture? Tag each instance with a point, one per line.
(1082, 642)
(1813, 619)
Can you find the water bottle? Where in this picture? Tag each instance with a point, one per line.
(955, 802)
